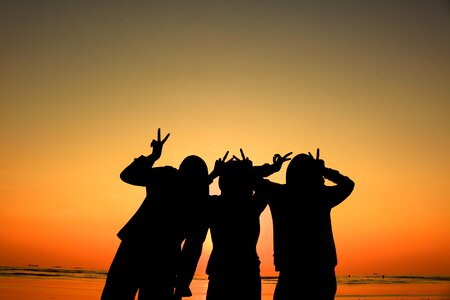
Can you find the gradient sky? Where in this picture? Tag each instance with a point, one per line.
(84, 86)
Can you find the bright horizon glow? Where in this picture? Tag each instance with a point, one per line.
(85, 87)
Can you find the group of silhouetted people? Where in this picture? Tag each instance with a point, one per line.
(162, 243)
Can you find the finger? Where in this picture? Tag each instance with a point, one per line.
(310, 154)
(235, 158)
(165, 139)
(242, 154)
(287, 155)
(152, 143)
(317, 153)
(159, 134)
(225, 157)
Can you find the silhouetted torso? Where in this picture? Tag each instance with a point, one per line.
(304, 249)
(158, 213)
(233, 266)
(302, 229)
(235, 228)
(151, 240)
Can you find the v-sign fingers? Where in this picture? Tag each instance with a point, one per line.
(286, 156)
(225, 156)
(242, 154)
(165, 139)
(159, 134)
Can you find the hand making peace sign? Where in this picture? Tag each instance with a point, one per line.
(320, 162)
(158, 144)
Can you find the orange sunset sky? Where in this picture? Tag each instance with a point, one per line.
(84, 86)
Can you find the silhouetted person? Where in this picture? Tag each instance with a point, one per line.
(196, 221)
(148, 256)
(233, 267)
(304, 249)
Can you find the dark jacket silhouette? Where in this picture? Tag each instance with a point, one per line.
(150, 241)
(148, 257)
(304, 249)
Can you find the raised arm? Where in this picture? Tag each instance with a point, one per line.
(138, 172)
(268, 169)
(344, 185)
(218, 167)
(343, 188)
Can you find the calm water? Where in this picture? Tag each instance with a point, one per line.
(36, 283)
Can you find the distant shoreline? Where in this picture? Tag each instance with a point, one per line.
(33, 270)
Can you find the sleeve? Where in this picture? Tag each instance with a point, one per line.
(343, 188)
(139, 171)
(265, 170)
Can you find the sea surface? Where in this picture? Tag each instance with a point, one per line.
(57, 283)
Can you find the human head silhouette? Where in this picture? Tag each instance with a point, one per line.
(305, 172)
(194, 173)
(237, 178)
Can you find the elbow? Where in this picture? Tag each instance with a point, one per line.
(351, 186)
(347, 186)
(125, 177)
